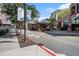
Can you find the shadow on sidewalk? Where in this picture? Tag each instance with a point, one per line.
(7, 42)
(27, 42)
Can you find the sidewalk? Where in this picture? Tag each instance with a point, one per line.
(26, 51)
(8, 42)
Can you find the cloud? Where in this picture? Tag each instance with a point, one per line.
(43, 18)
(64, 6)
(50, 10)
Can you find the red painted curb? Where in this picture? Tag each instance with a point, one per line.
(47, 50)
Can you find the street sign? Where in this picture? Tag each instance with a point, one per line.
(20, 14)
(29, 14)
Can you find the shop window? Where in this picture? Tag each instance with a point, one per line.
(75, 20)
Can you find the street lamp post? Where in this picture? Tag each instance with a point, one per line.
(25, 18)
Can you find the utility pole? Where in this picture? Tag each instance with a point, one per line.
(25, 18)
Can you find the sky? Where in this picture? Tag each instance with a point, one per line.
(45, 9)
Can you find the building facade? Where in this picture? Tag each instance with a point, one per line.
(55, 16)
(71, 21)
(74, 16)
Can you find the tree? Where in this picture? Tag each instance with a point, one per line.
(11, 10)
(50, 21)
(64, 13)
(34, 15)
(34, 11)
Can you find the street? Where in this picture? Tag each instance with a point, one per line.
(68, 45)
(39, 29)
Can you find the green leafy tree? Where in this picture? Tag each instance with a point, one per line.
(34, 15)
(50, 21)
(34, 11)
(11, 10)
(64, 13)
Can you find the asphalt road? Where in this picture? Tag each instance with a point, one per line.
(68, 45)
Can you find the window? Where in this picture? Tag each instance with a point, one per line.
(75, 20)
(73, 10)
(77, 8)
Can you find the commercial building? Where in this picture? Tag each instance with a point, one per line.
(69, 22)
(74, 16)
(54, 15)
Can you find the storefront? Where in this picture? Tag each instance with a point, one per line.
(75, 23)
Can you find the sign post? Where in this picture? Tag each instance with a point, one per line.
(25, 18)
